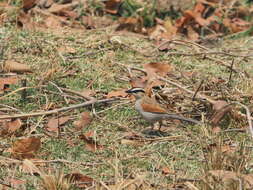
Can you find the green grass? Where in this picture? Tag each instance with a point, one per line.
(100, 71)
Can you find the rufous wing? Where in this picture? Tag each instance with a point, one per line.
(151, 106)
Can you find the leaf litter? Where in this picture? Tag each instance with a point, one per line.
(193, 23)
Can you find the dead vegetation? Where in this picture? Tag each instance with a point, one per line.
(66, 121)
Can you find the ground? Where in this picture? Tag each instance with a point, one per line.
(98, 60)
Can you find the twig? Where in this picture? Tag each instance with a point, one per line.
(207, 53)
(15, 91)
(231, 73)
(60, 90)
(248, 114)
(110, 122)
(57, 110)
(77, 93)
(187, 90)
(15, 161)
(104, 185)
(12, 108)
(5, 184)
(194, 95)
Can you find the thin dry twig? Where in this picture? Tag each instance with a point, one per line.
(60, 90)
(50, 112)
(15, 161)
(77, 93)
(249, 118)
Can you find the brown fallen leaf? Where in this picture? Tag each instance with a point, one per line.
(192, 34)
(25, 148)
(66, 49)
(131, 24)
(111, 6)
(28, 4)
(9, 127)
(132, 139)
(229, 176)
(166, 171)
(117, 93)
(139, 82)
(16, 182)
(88, 92)
(13, 66)
(29, 167)
(6, 81)
(54, 123)
(221, 108)
(80, 180)
(157, 68)
(85, 120)
(60, 9)
(91, 144)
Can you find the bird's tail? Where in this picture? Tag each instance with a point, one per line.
(173, 116)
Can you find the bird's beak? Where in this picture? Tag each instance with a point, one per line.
(128, 91)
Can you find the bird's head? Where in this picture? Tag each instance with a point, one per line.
(137, 92)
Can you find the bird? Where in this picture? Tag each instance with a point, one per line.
(151, 110)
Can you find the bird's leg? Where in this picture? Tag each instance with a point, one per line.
(160, 125)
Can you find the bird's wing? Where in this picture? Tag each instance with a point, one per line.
(149, 105)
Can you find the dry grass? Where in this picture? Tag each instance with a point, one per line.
(95, 64)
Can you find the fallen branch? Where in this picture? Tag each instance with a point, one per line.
(50, 112)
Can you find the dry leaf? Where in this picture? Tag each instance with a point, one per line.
(29, 167)
(130, 24)
(28, 4)
(60, 9)
(82, 181)
(16, 182)
(191, 34)
(157, 68)
(54, 123)
(117, 93)
(139, 82)
(66, 49)
(91, 144)
(6, 81)
(166, 171)
(216, 130)
(13, 66)
(9, 127)
(88, 92)
(220, 108)
(52, 22)
(25, 148)
(85, 120)
(229, 176)
(111, 6)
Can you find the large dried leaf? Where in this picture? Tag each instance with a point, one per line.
(84, 121)
(117, 93)
(6, 81)
(61, 9)
(9, 127)
(54, 123)
(221, 108)
(81, 181)
(16, 182)
(111, 6)
(90, 143)
(157, 68)
(25, 148)
(13, 66)
(228, 176)
(139, 82)
(28, 4)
